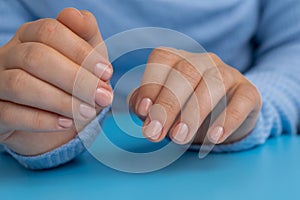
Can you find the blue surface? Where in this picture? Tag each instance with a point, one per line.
(267, 172)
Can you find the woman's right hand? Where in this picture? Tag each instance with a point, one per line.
(38, 70)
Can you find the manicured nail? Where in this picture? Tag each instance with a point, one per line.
(144, 107)
(65, 122)
(78, 11)
(153, 130)
(102, 71)
(215, 134)
(103, 97)
(181, 132)
(87, 111)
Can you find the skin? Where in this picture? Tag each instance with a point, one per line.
(179, 91)
(38, 106)
(38, 70)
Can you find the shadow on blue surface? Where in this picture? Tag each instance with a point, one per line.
(270, 171)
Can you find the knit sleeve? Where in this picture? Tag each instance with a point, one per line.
(65, 153)
(12, 15)
(275, 72)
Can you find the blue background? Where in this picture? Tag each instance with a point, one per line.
(270, 171)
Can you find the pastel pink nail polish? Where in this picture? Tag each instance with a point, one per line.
(144, 107)
(65, 123)
(87, 111)
(215, 134)
(181, 132)
(102, 71)
(103, 97)
(153, 130)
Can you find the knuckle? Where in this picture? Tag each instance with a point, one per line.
(23, 27)
(161, 53)
(37, 120)
(227, 76)
(47, 29)
(249, 95)
(31, 54)
(5, 114)
(188, 71)
(65, 104)
(169, 103)
(235, 115)
(214, 74)
(209, 60)
(15, 82)
(81, 54)
(214, 57)
(220, 76)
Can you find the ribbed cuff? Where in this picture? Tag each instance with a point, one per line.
(50, 159)
(66, 152)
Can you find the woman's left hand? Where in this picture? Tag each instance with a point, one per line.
(179, 91)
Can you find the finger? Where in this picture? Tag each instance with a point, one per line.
(241, 105)
(50, 66)
(18, 117)
(42, 96)
(158, 67)
(56, 35)
(83, 23)
(214, 85)
(179, 85)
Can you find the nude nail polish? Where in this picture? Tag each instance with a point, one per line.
(65, 122)
(153, 130)
(103, 97)
(144, 107)
(181, 132)
(87, 111)
(215, 134)
(102, 71)
(78, 12)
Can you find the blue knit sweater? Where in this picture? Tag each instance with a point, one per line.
(261, 38)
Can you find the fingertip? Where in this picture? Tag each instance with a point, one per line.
(89, 17)
(64, 123)
(180, 133)
(215, 135)
(152, 130)
(144, 107)
(103, 71)
(69, 12)
(87, 14)
(93, 36)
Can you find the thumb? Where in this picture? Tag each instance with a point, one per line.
(83, 23)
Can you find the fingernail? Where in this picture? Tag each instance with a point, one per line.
(153, 130)
(181, 132)
(87, 111)
(103, 97)
(78, 11)
(215, 134)
(144, 107)
(102, 71)
(65, 122)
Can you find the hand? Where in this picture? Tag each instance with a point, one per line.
(38, 70)
(179, 91)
